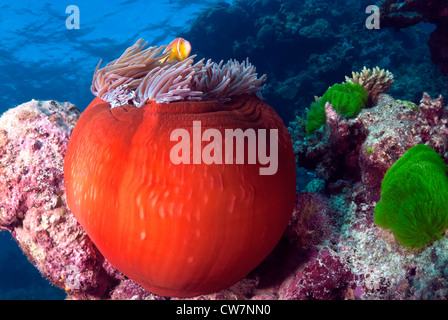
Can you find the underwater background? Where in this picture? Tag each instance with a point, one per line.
(303, 46)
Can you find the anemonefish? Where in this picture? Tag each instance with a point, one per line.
(179, 50)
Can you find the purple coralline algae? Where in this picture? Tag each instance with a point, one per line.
(310, 223)
(33, 140)
(331, 249)
(326, 276)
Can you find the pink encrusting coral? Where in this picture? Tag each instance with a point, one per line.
(33, 208)
(34, 137)
(326, 276)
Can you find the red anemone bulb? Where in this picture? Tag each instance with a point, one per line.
(150, 175)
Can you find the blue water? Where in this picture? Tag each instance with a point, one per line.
(40, 58)
(19, 279)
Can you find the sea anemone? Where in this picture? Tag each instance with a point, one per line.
(179, 228)
(142, 74)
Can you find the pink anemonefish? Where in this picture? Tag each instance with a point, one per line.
(179, 48)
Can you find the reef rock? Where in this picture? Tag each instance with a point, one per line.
(363, 148)
(33, 140)
(352, 156)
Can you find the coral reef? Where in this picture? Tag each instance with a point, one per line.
(373, 141)
(325, 277)
(310, 223)
(347, 257)
(352, 157)
(319, 42)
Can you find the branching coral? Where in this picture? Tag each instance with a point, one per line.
(375, 81)
(142, 74)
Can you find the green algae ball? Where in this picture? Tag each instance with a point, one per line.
(348, 99)
(414, 195)
(315, 118)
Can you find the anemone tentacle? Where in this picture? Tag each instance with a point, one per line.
(142, 74)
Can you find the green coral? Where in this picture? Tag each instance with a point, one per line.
(348, 99)
(315, 118)
(414, 195)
